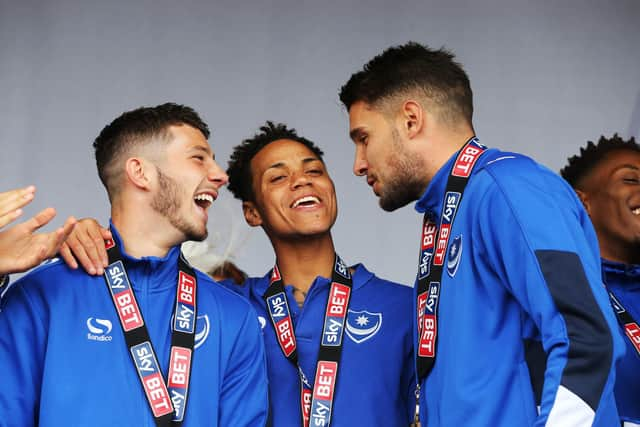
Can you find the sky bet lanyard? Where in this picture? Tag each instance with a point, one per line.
(162, 400)
(627, 322)
(430, 263)
(316, 404)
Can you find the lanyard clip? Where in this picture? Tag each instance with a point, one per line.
(416, 417)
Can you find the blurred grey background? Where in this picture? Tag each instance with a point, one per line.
(547, 76)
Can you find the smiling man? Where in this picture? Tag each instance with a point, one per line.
(508, 255)
(338, 339)
(153, 340)
(606, 177)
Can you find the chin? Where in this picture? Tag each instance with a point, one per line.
(196, 235)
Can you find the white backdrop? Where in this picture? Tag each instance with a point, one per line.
(547, 76)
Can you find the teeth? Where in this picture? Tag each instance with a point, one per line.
(636, 211)
(204, 197)
(306, 199)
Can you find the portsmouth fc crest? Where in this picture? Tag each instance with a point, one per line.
(362, 325)
(454, 256)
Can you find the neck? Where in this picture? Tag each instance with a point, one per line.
(438, 147)
(624, 255)
(300, 262)
(143, 234)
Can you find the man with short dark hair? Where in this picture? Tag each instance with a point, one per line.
(507, 254)
(606, 177)
(153, 341)
(338, 339)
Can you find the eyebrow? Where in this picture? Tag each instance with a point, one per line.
(626, 166)
(305, 161)
(205, 150)
(355, 133)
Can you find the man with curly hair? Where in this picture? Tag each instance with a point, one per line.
(338, 339)
(606, 177)
(508, 257)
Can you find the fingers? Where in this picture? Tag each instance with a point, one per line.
(10, 217)
(105, 235)
(40, 219)
(51, 242)
(86, 244)
(65, 253)
(15, 199)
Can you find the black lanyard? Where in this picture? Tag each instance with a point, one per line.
(433, 250)
(168, 404)
(630, 326)
(316, 404)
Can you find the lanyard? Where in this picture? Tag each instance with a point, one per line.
(433, 249)
(168, 404)
(630, 326)
(316, 403)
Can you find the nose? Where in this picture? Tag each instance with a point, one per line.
(360, 165)
(299, 179)
(217, 175)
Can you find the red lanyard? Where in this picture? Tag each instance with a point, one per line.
(433, 249)
(316, 404)
(168, 404)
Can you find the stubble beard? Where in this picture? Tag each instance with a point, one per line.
(167, 203)
(406, 182)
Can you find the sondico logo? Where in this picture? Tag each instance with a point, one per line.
(98, 329)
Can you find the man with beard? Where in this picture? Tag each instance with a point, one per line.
(508, 255)
(606, 177)
(338, 339)
(153, 341)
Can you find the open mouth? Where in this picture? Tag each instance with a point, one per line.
(636, 211)
(306, 201)
(204, 200)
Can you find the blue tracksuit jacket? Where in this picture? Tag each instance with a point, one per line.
(522, 263)
(624, 282)
(65, 361)
(376, 375)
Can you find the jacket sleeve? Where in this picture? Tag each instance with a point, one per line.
(22, 347)
(244, 397)
(543, 248)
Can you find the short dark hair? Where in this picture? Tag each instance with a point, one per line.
(239, 169)
(412, 67)
(581, 165)
(137, 127)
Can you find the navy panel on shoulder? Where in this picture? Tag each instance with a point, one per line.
(590, 341)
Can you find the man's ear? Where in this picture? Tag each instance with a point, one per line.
(584, 198)
(139, 172)
(251, 214)
(412, 118)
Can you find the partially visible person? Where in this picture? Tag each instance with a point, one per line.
(228, 271)
(153, 341)
(21, 248)
(606, 177)
(507, 254)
